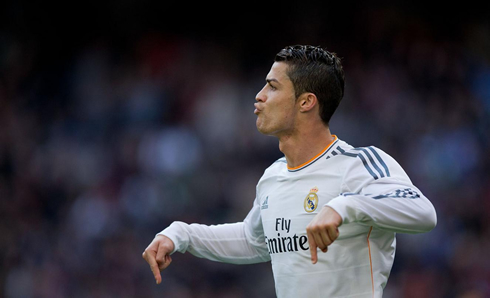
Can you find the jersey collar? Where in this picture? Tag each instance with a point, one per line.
(315, 158)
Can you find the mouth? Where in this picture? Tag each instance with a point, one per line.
(257, 110)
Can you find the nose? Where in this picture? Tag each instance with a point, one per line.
(261, 95)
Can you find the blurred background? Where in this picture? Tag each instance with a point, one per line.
(117, 118)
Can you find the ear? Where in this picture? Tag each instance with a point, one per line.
(307, 102)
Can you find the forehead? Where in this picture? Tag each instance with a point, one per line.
(278, 72)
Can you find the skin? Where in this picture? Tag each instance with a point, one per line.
(301, 133)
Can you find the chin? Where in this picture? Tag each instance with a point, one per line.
(266, 130)
(262, 129)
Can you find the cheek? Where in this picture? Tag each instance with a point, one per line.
(281, 108)
(286, 111)
(279, 120)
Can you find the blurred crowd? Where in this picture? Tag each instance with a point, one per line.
(106, 147)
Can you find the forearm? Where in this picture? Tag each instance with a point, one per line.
(401, 209)
(224, 243)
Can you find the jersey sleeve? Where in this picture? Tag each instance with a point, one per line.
(236, 243)
(377, 192)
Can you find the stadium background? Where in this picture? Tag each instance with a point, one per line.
(117, 118)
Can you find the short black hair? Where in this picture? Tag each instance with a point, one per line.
(316, 70)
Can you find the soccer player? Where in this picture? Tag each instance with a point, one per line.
(325, 214)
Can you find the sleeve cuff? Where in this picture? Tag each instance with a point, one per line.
(342, 206)
(178, 234)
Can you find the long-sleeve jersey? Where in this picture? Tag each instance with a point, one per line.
(366, 186)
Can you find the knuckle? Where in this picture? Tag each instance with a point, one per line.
(312, 228)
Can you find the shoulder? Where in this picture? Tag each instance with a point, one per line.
(374, 160)
(372, 163)
(271, 173)
(276, 166)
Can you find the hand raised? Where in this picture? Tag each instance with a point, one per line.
(323, 231)
(157, 255)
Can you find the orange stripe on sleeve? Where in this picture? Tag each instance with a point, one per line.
(370, 260)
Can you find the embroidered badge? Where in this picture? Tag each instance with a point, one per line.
(311, 200)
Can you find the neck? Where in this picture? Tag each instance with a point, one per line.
(301, 147)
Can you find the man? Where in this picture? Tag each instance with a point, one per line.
(323, 194)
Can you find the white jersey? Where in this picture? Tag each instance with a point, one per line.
(367, 187)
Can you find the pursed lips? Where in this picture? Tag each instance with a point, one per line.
(257, 109)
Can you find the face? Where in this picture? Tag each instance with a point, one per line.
(275, 106)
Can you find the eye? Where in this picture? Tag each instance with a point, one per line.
(272, 87)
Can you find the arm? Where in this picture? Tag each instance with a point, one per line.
(394, 207)
(378, 193)
(237, 243)
(227, 243)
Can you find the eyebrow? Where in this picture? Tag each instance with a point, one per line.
(272, 80)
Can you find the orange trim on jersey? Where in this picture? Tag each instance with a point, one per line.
(316, 156)
(370, 260)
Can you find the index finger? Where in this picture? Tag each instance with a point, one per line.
(154, 267)
(313, 248)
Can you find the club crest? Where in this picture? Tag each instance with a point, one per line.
(311, 200)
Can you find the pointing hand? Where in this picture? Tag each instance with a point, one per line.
(323, 231)
(157, 255)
